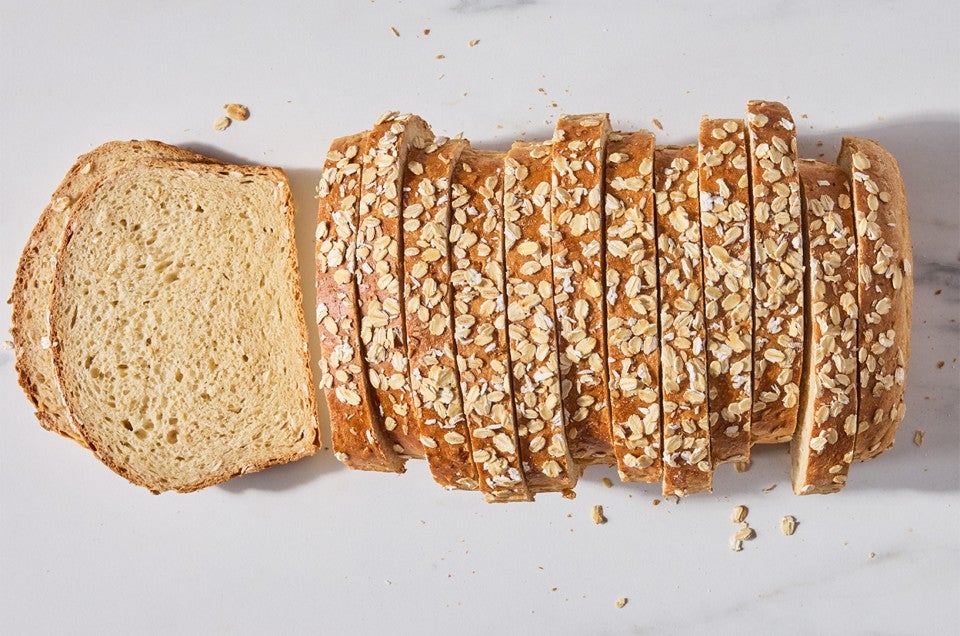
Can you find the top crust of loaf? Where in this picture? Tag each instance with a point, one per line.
(31, 289)
(177, 308)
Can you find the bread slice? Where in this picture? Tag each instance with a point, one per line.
(480, 319)
(531, 317)
(885, 290)
(727, 285)
(380, 272)
(633, 335)
(359, 438)
(778, 277)
(683, 354)
(31, 288)
(579, 147)
(437, 406)
(822, 445)
(176, 304)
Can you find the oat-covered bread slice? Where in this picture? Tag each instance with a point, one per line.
(579, 148)
(683, 354)
(31, 288)
(380, 272)
(176, 306)
(727, 285)
(778, 347)
(822, 445)
(885, 290)
(359, 438)
(531, 315)
(436, 408)
(633, 336)
(480, 319)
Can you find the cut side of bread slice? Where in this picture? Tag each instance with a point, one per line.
(885, 291)
(358, 434)
(579, 148)
(480, 319)
(633, 335)
(437, 406)
(728, 281)
(683, 354)
(531, 315)
(380, 271)
(822, 446)
(778, 276)
(176, 304)
(31, 289)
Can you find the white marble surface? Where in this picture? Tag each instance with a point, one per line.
(314, 548)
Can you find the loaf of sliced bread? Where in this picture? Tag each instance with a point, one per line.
(176, 305)
(31, 289)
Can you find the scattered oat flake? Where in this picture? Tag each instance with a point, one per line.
(237, 112)
(222, 123)
(739, 514)
(788, 525)
(918, 438)
(621, 602)
(393, 30)
(656, 122)
(606, 482)
(474, 42)
(598, 517)
(735, 544)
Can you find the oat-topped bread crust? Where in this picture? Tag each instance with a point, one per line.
(633, 335)
(683, 355)
(355, 421)
(380, 271)
(531, 315)
(177, 307)
(885, 291)
(778, 277)
(822, 445)
(437, 406)
(727, 280)
(579, 148)
(480, 319)
(31, 288)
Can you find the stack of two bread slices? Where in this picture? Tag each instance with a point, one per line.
(158, 321)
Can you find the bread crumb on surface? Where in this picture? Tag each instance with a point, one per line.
(393, 30)
(739, 514)
(222, 123)
(735, 544)
(769, 488)
(441, 56)
(940, 364)
(656, 122)
(918, 438)
(871, 555)
(655, 502)
(621, 602)
(426, 31)
(742, 467)
(474, 42)
(237, 112)
(598, 517)
(606, 482)
(568, 493)
(788, 525)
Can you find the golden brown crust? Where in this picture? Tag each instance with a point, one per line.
(579, 147)
(31, 287)
(885, 290)
(437, 406)
(483, 353)
(531, 317)
(380, 272)
(822, 445)
(357, 428)
(778, 275)
(683, 355)
(633, 335)
(727, 284)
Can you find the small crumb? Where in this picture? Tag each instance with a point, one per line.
(441, 56)
(426, 31)
(803, 115)
(788, 525)
(940, 364)
(938, 292)
(499, 126)
(918, 438)
(621, 602)
(742, 467)
(606, 482)
(656, 122)
(769, 488)
(237, 112)
(655, 502)
(553, 589)
(739, 514)
(819, 144)
(393, 30)
(7, 344)
(598, 517)
(474, 42)
(222, 123)
(871, 555)
(568, 493)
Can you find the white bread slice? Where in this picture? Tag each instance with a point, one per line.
(633, 335)
(359, 438)
(31, 288)
(885, 291)
(480, 319)
(727, 284)
(531, 316)
(778, 271)
(579, 147)
(380, 272)
(822, 445)
(176, 304)
(437, 406)
(683, 354)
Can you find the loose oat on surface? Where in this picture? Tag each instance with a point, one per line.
(598, 517)
(237, 112)
(788, 525)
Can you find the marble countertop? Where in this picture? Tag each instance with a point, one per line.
(314, 548)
